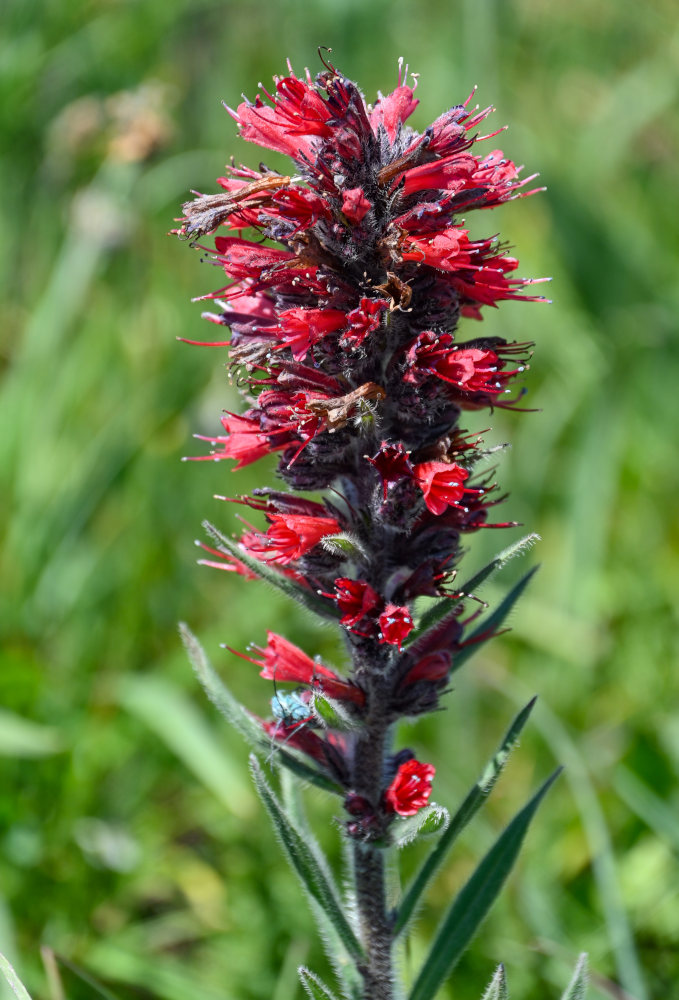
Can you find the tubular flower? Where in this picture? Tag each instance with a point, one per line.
(410, 790)
(442, 484)
(282, 661)
(289, 537)
(344, 282)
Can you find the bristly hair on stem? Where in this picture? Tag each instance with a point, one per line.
(346, 281)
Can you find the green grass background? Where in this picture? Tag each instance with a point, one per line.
(130, 840)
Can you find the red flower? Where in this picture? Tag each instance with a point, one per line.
(299, 114)
(289, 537)
(363, 320)
(391, 111)
(355, 599)
(470, 369)
(245, 441)
(410, 790)
(395, 624)
(283, 661)
(446, 251)
(452, 174)
(392, 463)
(299, 329)
(442, 484)
(243, 259)
(434, 668)
(225, 561)
(355, 205)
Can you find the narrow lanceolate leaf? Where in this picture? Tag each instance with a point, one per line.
(497, 987)
(472, 903)
(343, 966)
(303, 595)
(241, 719)
(428, 821)
(314, 986)
(489, 626)
(498, 563)
(315, 876)
(15, 983)
(440, 609)
(471, 805)
(577, 988)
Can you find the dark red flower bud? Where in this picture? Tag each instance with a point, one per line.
(356, 600)
(393, 463)
(355, 205)
(395, 623)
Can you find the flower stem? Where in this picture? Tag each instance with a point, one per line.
(369, 865)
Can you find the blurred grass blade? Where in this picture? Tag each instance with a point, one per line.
(175, 720)
(577, 988)
(464, 814)
(314, 986)
(23, 738)
(301, 595)
(438, 611)
(55, 987)
(472, 903)
(314, 875)
(240, 718)
(489, 626)
(497, 987)
(15, 983)
(87, 977)
(648, 806)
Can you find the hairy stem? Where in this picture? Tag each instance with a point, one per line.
(369, 873)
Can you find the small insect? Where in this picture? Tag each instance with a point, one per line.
(292, 713)
(290, 708)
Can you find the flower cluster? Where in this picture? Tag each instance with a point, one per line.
(345, 283)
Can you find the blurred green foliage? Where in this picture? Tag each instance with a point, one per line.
(130, 840)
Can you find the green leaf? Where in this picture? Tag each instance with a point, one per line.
(424, 823)
(344, 545)
(497, 987)
(344, 968)
(314, 986)
(308, 598)
(333, 714)
(315, 876)
(470, 806)
(15, 983)
(499, 562)
(474, 900)
(577, 988)
(434, 614)
(491, 624)
(217, 691)
(242, 720)
(24, 738)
